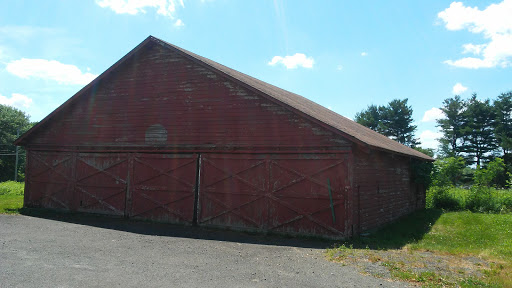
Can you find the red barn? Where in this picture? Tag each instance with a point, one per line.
(167, 135)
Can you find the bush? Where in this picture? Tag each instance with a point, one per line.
(12, 188)
(481, 200)
(441, 198)
(448, 171)
(492, 175)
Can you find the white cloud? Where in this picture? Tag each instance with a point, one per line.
(23, 33)
(473, 49)
(133, 7)
(432, 115)
(49, 70)
(364, 54)
(458, 89)
(471, 63)
(292, 62)
(494, 23)
(339, 67)
(429, 138)
(179, 23)
(16, 100)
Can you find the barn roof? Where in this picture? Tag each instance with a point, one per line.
(302, 105)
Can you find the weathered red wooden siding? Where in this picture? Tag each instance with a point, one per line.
(382, 189)
(198, 109)
(101, 182)
(49, 180)
(162, 187)
(306, 193)
(291, 193)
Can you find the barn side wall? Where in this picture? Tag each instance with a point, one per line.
(160, 99)
(383, 189)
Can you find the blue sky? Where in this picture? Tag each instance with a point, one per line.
(344, 55)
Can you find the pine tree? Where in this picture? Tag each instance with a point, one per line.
(503, 125)
(369, 117)
(394, 121)
(478, 131)
(451, 126)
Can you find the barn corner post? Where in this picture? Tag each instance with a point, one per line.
(26, 192)
(17, 156)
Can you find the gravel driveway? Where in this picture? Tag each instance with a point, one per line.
(90, 251)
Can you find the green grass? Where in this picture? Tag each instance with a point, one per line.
(410, 247)
(11, 197)
(488, 235)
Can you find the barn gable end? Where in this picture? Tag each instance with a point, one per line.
(160, 91)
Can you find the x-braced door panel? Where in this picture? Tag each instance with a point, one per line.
(308, 194)
(233, 191)
(299, 193)
(50, 180)
(163, 187)
(101, 182)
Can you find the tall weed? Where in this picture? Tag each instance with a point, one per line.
(476, 199)
(12, 188)
(440, 197)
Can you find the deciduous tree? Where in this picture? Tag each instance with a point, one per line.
(10, 120)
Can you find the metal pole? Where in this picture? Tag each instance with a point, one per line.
(16, 163)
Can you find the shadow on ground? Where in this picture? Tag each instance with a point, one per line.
(406, 230)
(173, 230)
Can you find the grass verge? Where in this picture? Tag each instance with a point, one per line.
(435, 249)
(11, 197)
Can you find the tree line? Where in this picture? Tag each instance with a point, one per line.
(475, 130)
(475, 133)
(12, 119)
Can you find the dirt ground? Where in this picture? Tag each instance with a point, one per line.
(444, 270)
(89, 251)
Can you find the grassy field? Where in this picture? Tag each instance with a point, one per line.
(486, 235)
(435, 249)
(11, 197)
